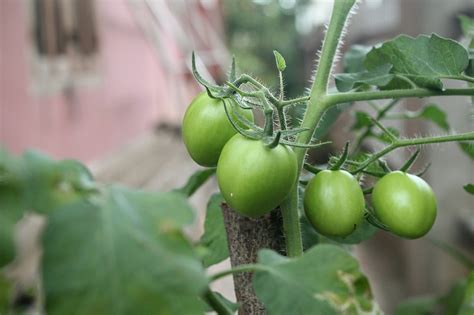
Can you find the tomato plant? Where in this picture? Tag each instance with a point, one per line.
(114, 250)
(405, 203)
(334, 203)
(254, 178)
(206, 129)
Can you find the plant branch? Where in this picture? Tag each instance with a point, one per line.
(347, 97)
(468, 136)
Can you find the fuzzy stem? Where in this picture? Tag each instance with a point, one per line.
(316, 108)
(468, 136)
(348, 97)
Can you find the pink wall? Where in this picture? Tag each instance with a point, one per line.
(90, 121)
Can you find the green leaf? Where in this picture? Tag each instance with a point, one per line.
(328, 119)
(195, 181)
(424, 59)
(379, 76)
(49, 185)
(5, 292)
(354, 58)
(467, 305)
(467, 26)
(469, 188)
(234, 307)
(363, 232)
(417, 306)
(280, 61)
(386, 138)
(214, 239)
(430, 112)
(326, 278)
(362, 119)
(468, 148)
(451, 302)
(116, 255)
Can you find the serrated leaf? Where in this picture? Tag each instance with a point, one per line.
(214, 239)
(424, 59)
(280, 61)
(468, 148)
(196, 180)
(469, 188)
(354, 58)
(326, 278)
(379, 76)
(112, 256)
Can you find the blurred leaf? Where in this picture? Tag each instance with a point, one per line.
(469, 188)
(328, 118)
(354, 58)
(424, 59)
(430, 112)
(454, 252)
(280, 61)
(234, 307)
(384, 137)
(451, 302)
(363, 232)
(308, 233)
(49, 185)
(214, 239)
(467, 305)
(362, 119)
(5, 291)
(468, 148)
(467, 26)
(379, 76)
(417, 306)
(110, 255)
(326, 278)
(195, 181)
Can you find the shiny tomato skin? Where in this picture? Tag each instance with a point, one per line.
(206, 129)
(253, 178)
(334, 203)
(405, 203)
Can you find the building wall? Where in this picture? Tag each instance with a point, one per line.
(132, 93)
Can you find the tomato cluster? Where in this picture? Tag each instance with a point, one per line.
(255, 178)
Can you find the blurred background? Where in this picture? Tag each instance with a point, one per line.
(107, 82)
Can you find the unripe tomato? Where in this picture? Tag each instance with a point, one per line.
(253, 178)
(206, 129)
(334, 203)
(405, 203)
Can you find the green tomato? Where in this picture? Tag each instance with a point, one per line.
(405, 203)
(253, 178)
(206, 129)
(334, 203)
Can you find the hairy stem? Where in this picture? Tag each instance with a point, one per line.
(316, 108)
(468, 136)
(347, 97)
